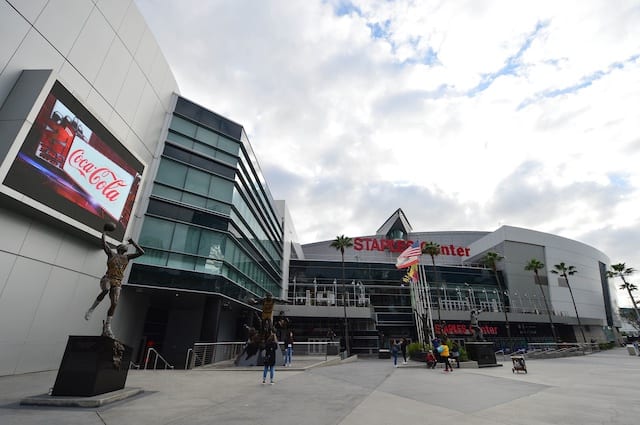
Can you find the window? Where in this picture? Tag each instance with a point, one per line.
(156, 233)
(183, 126)
(171, 173)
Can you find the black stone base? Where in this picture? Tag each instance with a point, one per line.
(481, 352)
(92, 365)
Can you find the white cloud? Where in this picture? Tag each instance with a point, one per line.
(465, 114)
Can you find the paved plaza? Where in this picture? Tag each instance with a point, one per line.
(602, 388)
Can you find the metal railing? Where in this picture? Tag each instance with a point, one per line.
(208, 353)
(151, 352)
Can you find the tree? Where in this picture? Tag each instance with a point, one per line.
(535, 265)
(432, 249)
(566, 271)
(341, 243)
(621, 270)
(491, 259)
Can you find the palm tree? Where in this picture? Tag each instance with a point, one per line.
(341, 243)
(432, 249)
(566, 271)
(621, 270)
(491, 259)
(535, 265)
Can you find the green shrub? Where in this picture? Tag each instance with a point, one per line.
(463, 355)
(415, 347)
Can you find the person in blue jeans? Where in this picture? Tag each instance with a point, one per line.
(288, 349)
(269, 359)
(395, 347)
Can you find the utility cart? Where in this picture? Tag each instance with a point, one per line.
(519, 364)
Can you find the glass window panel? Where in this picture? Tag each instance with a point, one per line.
(166, 192)
(197, 181)
(181, 140)
(183, 126)
(211, 245)
(207, 136)
(218, 206)
(221, 189)
(195, 200)
(179, 261)
(229, 145)
(205, 150)
(156, 233)
(153, 257)
(229, 159)
(185, 239)
(209, 266)
(171, 173)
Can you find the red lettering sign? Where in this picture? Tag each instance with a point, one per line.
(462, 329)
(398, 245)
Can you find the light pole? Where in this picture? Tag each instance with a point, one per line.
(353, 284)
(294, 290)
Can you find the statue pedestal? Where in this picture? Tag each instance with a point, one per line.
(481, 352)
(92, 365)
(255, 358)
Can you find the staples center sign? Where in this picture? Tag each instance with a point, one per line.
(372, 244)
(106, 182)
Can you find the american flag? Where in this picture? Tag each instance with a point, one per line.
(409, 256)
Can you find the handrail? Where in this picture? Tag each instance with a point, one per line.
(186, 362)
(155, 363)
(207, 353)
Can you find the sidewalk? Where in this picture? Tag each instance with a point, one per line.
(601, 388)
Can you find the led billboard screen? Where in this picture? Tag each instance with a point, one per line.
(72, 164)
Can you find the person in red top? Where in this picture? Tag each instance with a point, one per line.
(431, 360)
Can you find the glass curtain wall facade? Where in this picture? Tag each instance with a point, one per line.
(211, 224)
(454, 289)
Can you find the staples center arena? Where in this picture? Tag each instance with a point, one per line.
(456, 281)
(94, 129)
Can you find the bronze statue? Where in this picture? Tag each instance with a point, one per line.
(476, 331)
(266, 316)
(111, 282)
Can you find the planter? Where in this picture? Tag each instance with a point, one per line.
(419, 356)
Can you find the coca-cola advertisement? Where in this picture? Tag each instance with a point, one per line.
(71, 163)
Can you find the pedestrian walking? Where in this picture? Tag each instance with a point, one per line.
(395, 348)
(269, 359)
(288, 349)
(403, 349)
(444, 355)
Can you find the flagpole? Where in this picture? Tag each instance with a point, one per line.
(416, 304)
(408, 258)
(428, 293)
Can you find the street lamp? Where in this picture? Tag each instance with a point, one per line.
(353, 285)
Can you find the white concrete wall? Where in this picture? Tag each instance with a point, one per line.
(104, 53)
(586, 286)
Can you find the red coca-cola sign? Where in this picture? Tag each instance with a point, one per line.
(70, 164)
(104, 180)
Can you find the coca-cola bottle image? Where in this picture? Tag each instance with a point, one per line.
(128, 207)
(56, 138)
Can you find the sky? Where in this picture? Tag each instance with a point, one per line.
(467, 114)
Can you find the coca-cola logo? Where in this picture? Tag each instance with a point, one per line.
(106, 182)
(102, 178)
